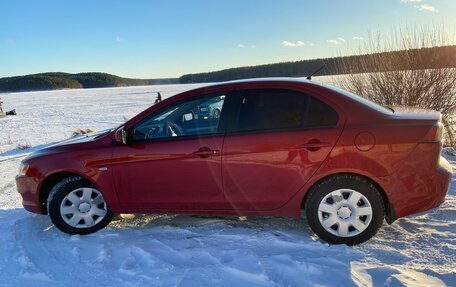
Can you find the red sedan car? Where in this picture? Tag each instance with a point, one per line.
(277, 146)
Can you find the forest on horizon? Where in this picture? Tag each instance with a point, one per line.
(427, 58)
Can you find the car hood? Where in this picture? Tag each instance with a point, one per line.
(82, 138)
(69, 144)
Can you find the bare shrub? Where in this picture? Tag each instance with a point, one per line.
(401, 78)
(7, 141)
(81, 132)
(22, 146)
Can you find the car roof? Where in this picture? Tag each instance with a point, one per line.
(261, 80)
(338, 99)
(342, 93)
(252, 81)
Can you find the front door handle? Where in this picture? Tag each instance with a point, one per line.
(314, 145)
(205, 152)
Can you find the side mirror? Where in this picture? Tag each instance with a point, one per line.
(126, 137)
(123, 136)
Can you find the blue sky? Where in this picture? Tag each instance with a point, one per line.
(154, 39)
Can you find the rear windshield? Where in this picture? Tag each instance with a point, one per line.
(361, 100)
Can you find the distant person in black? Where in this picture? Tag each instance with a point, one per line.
(159, 98)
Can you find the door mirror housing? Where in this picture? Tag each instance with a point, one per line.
(124, 136)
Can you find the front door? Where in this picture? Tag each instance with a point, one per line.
(174, 161)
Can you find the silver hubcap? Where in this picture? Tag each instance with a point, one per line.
(83, 208)
(345, 212)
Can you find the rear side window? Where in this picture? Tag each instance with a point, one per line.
(320, 114)
(278, 109)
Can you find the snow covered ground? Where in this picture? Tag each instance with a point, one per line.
(182, 250)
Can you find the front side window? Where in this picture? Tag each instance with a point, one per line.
(192, 117)
(279, 109)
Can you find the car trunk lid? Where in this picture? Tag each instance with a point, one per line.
(412, 113)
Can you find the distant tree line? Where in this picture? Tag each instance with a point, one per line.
(427, 58)
(36, 83)
(57, 80)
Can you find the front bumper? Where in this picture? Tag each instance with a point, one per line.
(28, 189)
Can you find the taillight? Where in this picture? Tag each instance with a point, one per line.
(434, 134)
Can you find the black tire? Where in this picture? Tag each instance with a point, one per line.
(351, 182)
(57, 195)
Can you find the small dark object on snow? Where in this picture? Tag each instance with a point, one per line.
(11, 113)
(159, 98)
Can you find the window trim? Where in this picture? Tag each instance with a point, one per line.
(165, 139)
(234, 133)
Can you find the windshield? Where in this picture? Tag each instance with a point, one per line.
(164, 116)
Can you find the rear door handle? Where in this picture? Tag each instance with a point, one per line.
(205, 152)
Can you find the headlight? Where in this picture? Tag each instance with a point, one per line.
(23, 169)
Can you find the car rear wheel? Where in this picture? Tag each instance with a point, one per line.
(77, 207)
(345, 209)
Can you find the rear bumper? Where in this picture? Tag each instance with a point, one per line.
(416, 190)
(28, 189)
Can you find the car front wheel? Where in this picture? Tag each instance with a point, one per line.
(345, 209)
(75, 206)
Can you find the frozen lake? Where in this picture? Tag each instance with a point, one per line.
(182, 250)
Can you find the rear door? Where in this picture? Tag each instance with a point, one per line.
(275, 142)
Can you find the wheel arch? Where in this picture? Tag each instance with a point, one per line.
(390, 214)
(51, 180)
